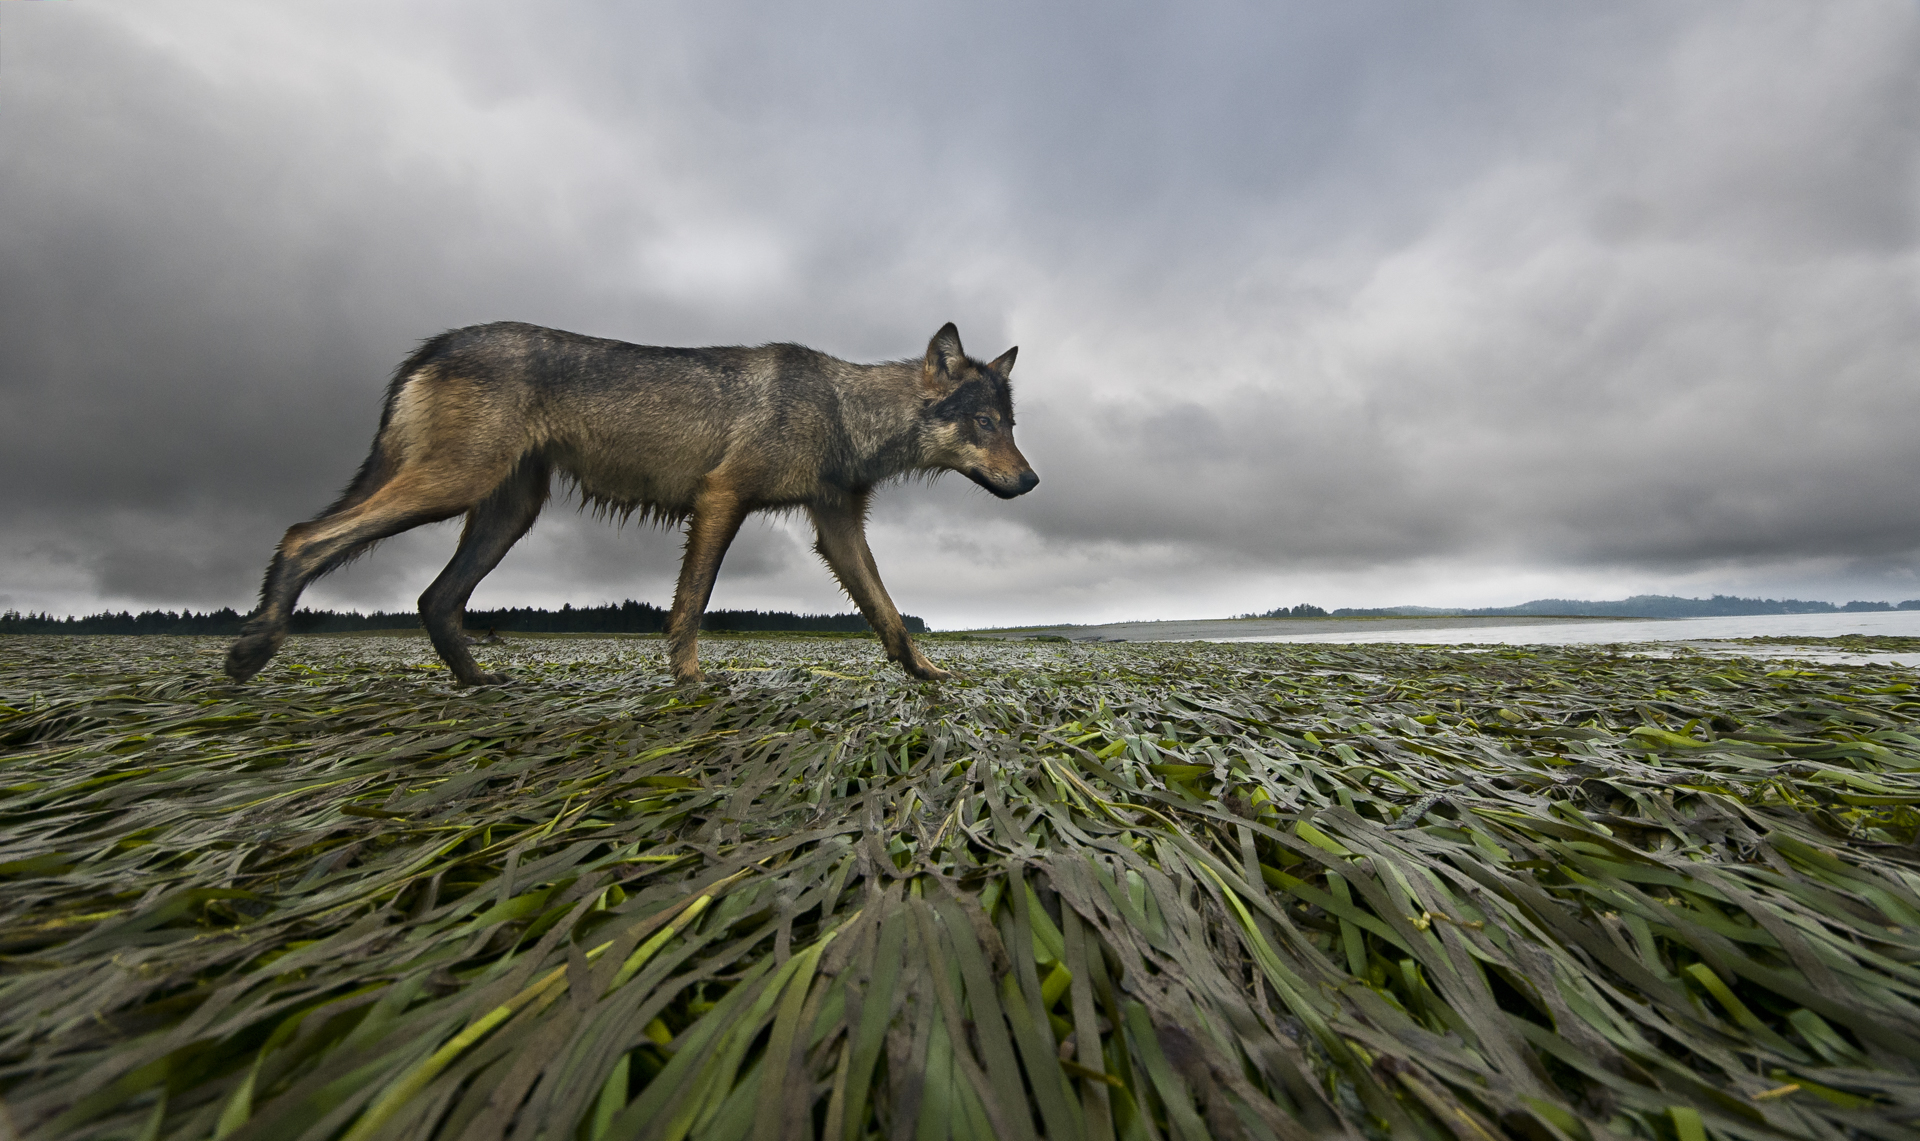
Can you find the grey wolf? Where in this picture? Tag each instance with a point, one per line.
(478, 420)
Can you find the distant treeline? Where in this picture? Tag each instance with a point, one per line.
(1301, 611)
(1639, 606)
(628, 617)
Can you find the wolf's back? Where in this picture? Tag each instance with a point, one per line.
(635, 426)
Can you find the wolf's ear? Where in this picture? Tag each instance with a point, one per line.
(944, 360)
(944, 353)
(1004, 364)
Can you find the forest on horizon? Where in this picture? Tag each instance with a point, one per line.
(627, 617)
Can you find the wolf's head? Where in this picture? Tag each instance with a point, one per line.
(968, 417)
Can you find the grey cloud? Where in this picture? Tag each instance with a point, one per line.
(1300, 289)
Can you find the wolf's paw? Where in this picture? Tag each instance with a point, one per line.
(927, 671)
(480, 678)
(250, 654)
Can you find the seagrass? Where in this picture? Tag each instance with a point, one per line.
(1126, 891)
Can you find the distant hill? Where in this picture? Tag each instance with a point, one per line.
(1639, 606)
(628, 617)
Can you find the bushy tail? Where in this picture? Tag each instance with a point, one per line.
(378, 467)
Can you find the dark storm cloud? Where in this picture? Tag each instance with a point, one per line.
(1622, 295)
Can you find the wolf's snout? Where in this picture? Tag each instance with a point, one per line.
(1001, 486)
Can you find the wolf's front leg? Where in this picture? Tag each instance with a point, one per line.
(717, 516)
(841, 533)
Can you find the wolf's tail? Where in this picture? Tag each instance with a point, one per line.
(379, 465)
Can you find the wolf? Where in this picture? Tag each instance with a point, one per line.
(479, 420)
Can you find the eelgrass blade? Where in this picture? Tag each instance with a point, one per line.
(1124, 891)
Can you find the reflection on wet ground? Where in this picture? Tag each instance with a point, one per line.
(1721, 636)
(1827, 655)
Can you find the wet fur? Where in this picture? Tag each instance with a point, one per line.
(479, 420)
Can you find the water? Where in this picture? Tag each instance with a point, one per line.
(1904, 623)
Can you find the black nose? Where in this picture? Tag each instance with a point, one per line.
(1028, 481)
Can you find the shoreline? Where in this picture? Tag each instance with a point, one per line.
(1236, 629)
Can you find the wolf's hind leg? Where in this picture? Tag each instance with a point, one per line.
(717, 515)
(311, 549)
(494, 525)
(841, 533)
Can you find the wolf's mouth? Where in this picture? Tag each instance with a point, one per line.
(1027, 482)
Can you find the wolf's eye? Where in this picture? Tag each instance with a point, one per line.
(985, 422)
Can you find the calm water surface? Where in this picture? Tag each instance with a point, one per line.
(1904, 623)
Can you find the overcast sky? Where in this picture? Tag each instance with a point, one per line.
(1356, 304)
